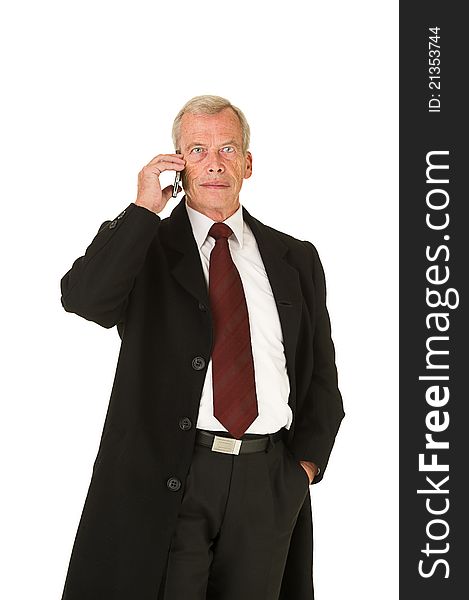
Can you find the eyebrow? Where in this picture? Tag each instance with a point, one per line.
(228, 143)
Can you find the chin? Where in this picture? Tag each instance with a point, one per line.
(214, 191)
(213, 196)
(214, 199)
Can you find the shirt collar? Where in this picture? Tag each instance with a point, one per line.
(201, 224)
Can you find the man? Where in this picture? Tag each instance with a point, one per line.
(225, 403)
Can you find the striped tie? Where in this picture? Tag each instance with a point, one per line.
(234, 387)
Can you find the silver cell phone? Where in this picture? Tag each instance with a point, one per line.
(177, 179)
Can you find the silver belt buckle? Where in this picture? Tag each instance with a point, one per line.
(226, 445)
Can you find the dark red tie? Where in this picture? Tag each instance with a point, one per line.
(234, 388)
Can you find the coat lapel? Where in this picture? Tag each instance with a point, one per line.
(184, 262)
(183, 254)
(285, 282)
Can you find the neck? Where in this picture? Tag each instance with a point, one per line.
(216, 213)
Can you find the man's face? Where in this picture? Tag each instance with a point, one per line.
(215, 165)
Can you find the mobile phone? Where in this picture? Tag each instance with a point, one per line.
(177, 179)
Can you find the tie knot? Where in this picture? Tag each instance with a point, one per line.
(220, 230)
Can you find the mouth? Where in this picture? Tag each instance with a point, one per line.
(214, 185)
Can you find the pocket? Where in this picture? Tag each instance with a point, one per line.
(110, 447)
(188, 478)
(305, 474)
(297, 465)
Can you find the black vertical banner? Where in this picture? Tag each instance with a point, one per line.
(434, 270)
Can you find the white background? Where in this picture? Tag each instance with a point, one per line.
(90, 90)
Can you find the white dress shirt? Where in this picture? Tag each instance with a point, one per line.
(272, 383)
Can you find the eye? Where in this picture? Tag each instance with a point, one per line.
(197, 150)
(228, 149)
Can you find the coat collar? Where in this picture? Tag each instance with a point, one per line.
(201, 225)
(184, 261)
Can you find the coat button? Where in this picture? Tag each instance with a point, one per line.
(121, 215)
(112, 224)
(198, 363)
(173, 484)
(185, 423)
(202, 306)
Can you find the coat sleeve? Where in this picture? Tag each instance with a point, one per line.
(98, 285)
(322, 411)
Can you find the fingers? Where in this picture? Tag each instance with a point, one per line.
(161, 166)
(149, 193)
(167, 192)
(166, 162)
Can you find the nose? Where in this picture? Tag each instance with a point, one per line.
(214, 163)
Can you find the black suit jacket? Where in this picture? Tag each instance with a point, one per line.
(143, 274)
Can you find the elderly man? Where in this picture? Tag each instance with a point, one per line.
(225, 403)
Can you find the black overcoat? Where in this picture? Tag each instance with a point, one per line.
(143, 274)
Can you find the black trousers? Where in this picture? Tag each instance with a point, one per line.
(235, 523)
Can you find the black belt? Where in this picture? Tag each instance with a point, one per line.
(224, 442)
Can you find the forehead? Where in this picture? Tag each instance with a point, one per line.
(224, 124)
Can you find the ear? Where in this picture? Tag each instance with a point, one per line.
(248, 167)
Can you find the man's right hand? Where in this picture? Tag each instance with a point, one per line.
(150, 195)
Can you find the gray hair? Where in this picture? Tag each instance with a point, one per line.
(209, 105)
